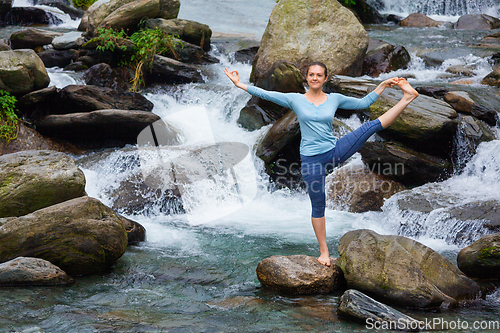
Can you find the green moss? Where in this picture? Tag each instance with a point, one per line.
(489, 252)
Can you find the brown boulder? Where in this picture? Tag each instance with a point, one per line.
(419, 20)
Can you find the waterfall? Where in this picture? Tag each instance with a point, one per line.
(64, 17)
(442, 7)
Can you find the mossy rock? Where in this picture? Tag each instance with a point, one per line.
(482, 258)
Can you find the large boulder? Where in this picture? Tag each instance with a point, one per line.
(58, 58)
(190, 31)
(5, 6)
(81, 236)
(69, 40)
(169, 71)
(119, 14)
(32, 272)
(283, 77)
(22, 71)
(101, 127)
(385, 58)
(358, 189)
(461, 102)
(29, 139)
(361, 308)
(404, 164)
(30, 180)
(419, 20)
(83, 98)
(398, 270)
(29, 16)
(425, 120)
(32, 38)
(482, 258)
(103, 75)
(299, 274)
(299, 30)
(477, 22)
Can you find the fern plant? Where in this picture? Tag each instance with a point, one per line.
(8, 117)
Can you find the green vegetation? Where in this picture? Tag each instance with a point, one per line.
(8, 117)
(83, 4)
(147, 44)
(347, 3)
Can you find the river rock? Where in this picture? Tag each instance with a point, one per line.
(419, 20)
(32, 272)
(4, 46)
(245, 56)
(460, 101)
(361, 308)
(482, 258)
(436, 58)
(299, 274)
(28, 16)
(292, 35)
(471, 133)
(29, 139)
(493, 78)
(425, 120)
(83, 98)
(398, 270)
(460, 70)
(56, 58)
(169, 71)
(357, 189)
(22, 71)
(384, 59)
(190, 31)
(135, 231)
(102, 127)
(70, 40)
(189, 53)
(404, 164)
(477, 22)
(367, 13)
(81, 236)
(34, 179)
(37, 104)
(103, 75)
(283, 77)
(5, 6)
(32, 38)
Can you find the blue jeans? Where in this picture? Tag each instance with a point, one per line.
(315, 168)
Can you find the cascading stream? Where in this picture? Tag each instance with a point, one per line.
(442, 7)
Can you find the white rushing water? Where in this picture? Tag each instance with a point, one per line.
(439, 10)
(65, 18)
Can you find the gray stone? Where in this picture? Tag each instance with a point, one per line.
(190, 31)
(32, 38)
(31, 272)
(299, 274)
(168, 71)
(482, 258)
(477, 22)
(70, 40)
(419, 20)
(22, 71)
(30, 180)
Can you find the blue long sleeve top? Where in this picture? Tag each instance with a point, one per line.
(315, 121)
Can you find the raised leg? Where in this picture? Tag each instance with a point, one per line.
(409, 95)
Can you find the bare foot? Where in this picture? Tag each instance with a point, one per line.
(324, 259)
(408, 90)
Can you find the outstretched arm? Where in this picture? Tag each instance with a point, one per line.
(389, 83)
(352, 103)
(235, 78)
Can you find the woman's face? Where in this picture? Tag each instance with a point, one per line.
(316, 77)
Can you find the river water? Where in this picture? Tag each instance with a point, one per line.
(196, 271)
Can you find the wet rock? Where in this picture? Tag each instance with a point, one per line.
(190, 31)
(5, 6)
(22, 71)
(288, 37)
(29, 139)
(103, 75)
(361, 308)
(493, 78)
(434, 92)
(169, 71)
(419, 20)
(460, 101)
(84, 98)
(489, 116)
(34, 179)
(471, 133)
(56, 58)
(384, 59)
(357, 189)
(31, 272)
(436, 58)
(401, 271)
(283, 77)
(425, 120)
(32, 38)
(4, 47)
(367, 13)
(101, 127)
(460, 70)
(482, 258)
(76, 66)
(406, 165)
(190, 54)
(394, 18)
(70, 40)
(135, 231)
(28, 16)
(81, 236)
(63, 5)
(246, 56)
(299, 274)
(477, 22)
(38, 103)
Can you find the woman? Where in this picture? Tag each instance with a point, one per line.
(320, 151)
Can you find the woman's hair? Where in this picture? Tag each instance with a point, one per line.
(317, 63)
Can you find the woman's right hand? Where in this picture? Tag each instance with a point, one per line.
(234, 76)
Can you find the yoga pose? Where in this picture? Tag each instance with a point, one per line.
(320, 151)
